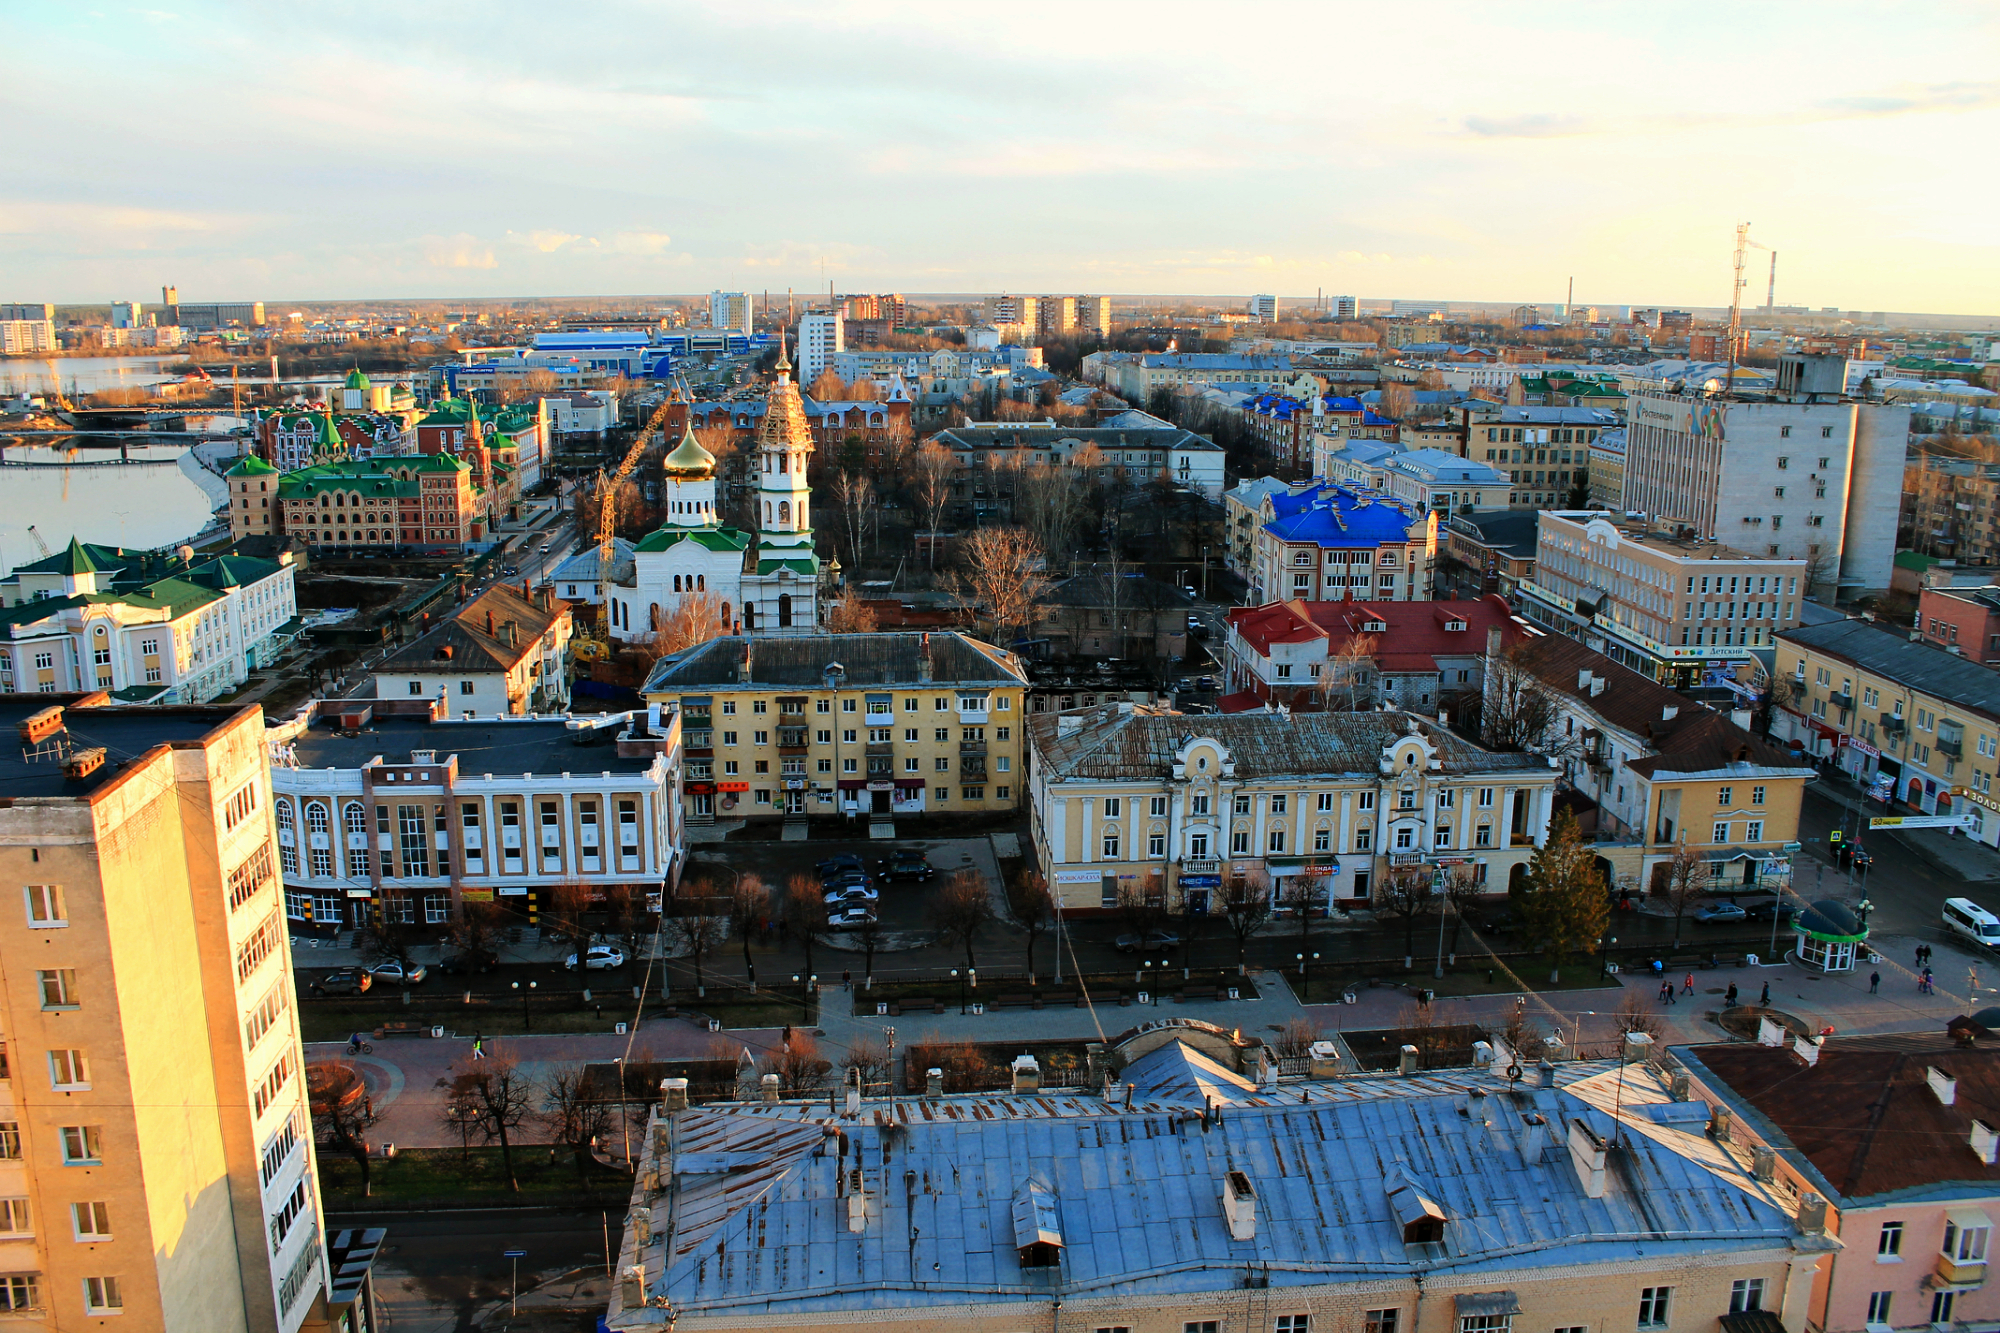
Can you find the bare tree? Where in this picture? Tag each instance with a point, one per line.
(800, 1068)
(570, 1114)
(498, 1096)
(961, 909)
(1034, 909)
(1050, 503)
(341, 1119)
(627, 906)
(849, 615)
(1295, 1040)
(1406, 894)
(869, 933)
(1462, 893)
(1143, 908)
(931, 472)
(1003, 575)
(828, 387)
(696, 618)
(805, 913)
(1682, 882)
(1822, 569)
(1246, 907)
(1517, 711)
(856, 502)
(1347, 681)
(476, 933)
(569, 901)
(749, 908)
(871, 1060)
(698, 933)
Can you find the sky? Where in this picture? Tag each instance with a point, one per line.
(1484, 152)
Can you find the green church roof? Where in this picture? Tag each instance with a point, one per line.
(252, 466)
(356, 380)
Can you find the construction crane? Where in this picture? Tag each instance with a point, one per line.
(36, 538)
(1736, 302)
(607, 509)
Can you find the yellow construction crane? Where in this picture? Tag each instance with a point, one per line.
(607, 510)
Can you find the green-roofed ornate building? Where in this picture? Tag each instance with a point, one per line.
(147, 626)
(768, 580)
(407, 502)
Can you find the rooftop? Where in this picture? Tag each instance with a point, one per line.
(801, 662)
(1414, 632)
(476, 637)
(1513, 531)
(1906, 661)
(543, 746)
(1334, 516)
(1134, 741)
(1676, 545)
(124, 732)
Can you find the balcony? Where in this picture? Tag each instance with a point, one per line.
(972, 769)
(1843, 700)
(1893, 725)
(1954, 747)
(972, 747)
(792, 740)
(1193, 866)
(881, 719)
(881, 748)
(1960, 1273)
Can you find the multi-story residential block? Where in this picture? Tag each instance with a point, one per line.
(1329, 543)
(1895, 1135)
(503, 652)
(1670, 606)
(382, 812)
(405, 502)
(1126, 798)
(1243, 518)
(1140, 1219)
(18, 336)
(1346, 307)
(730, 310)
(820, 340)
(1545, 451)
(1093, 315)
(1666, 773)
(885, 724)
(1951, 506)
(1055, 315)
(1264, 309)
(1964, 620)
(1918, 724)
(1134, 375)
(1607, 469)
(1436, 480)
(1139, 445)
(156, 1152)
(1493, 549)
(1797, 475)
(146, 628)
(1418, 656)
(11, 311)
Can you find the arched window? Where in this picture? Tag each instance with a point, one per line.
(315, 817)
(284, 812)
(725, 615)
(749, 615)
(653, 617)
(701, 583)
(677, 583)
(356, 818)
(784, 511)
(767, 511)
(784, 462)
(784, 610)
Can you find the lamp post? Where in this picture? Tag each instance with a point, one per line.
(1145, 972)
(1305, 961)
(1578, 1029)
(1437, 887)
(960, 979)
(527, 1021)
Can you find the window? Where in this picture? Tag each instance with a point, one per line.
(1277, 805)
(1293, 1323)
(14, 1216)
(1405, 838)
(1725, 797)
(58, 988)
(258, 947)
(288, 1213)
(1941, 1306)
(1890, 1241)
(1110, 842)
(1721, 832)
(273, 1083)
(1746, 1293)
(1202, 1326)
(1112, 807)
(10, 1140)
(1756, 796)
(1276, 841)
(68, 1069)
(1483, 836)
(1380, 1321)
(941, 793)
(1878, 1306)
(1156, 845)
(102, 1296)
(1965, 1245)
(1198, 803)
(1653, 1303)
(252, 875)
(265, 1015)
(279, 1149)
(1754, 831)
(82, 1143)
(1485, 1323)
(19, 1292)
(1364, 839)
(1157, 807)
(45, 905)
(93, 1220)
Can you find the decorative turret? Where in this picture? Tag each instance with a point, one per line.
(784, 442)
(689, 473)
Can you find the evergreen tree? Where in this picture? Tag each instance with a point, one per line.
(1565, 906)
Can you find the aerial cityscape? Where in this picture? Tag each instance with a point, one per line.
(1217, 703)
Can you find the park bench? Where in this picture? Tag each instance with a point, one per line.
(401, 1029)
(1020, 1000)
(1198, 993)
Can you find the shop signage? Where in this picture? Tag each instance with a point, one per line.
(881, 786)
(732, 786)
(1201, 881)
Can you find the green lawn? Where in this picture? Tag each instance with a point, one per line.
(441, 1175)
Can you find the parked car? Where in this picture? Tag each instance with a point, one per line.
(598, 957)
(1761, 911)
(1155, 939)
(850, 894)
(460, 964)
(850, 918)
(828, 883)
(406, 974)
(343, 981)
(906, 865)
(833, 865)
(1713, 912)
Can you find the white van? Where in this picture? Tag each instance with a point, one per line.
(1964, 917)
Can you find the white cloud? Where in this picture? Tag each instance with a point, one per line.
(460, 251)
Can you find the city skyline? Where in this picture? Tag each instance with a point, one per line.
(674, 148)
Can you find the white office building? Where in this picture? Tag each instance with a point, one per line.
(820, 339)
(729, 310)
(1264, 309)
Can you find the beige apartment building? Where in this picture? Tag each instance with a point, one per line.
(1126, 798)
(156, 1161)
(1916, 722)
(1673, 607)
(852, 724)
(385, 810)
(1180, 1183)
(505, 651)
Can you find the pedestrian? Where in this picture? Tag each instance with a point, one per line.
(1874, 982)
(478, 1047)
(847, 977)
(1659, 967)
(1729, 1000)
(1666, 992)
(1765, 1002)
(1687, 984)
(1670, 994)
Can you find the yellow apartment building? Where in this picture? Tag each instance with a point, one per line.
(852, 724)
(1665, 772)
(1126, 797)
(156, 1157)
(1916, 723)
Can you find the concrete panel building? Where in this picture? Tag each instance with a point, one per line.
(156, 1156)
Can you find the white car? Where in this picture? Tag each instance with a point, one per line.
(850, 918)
(850, 895)
(598, 957)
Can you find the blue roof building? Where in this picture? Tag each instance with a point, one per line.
(1333, 543)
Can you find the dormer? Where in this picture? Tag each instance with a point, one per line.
(1203, 757)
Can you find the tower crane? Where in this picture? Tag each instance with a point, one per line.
(607, 510)
(40, 545)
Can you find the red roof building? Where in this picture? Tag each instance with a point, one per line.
(1313, 655)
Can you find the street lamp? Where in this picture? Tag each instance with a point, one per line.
(955, 976)
(526, 1020)
(1305, 977)
(1578, 1029)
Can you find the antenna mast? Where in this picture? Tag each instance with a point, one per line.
(1736, 302)
(1771, 296)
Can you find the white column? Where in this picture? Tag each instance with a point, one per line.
(1089, 841)
(1058, 826)
(1544, 800)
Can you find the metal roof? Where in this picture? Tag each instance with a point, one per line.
(1922, 666)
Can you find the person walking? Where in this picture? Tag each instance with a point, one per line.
(1874, 982)
(1687, 984)
(1764, 1002)
(478, 1047)
(1666, 991)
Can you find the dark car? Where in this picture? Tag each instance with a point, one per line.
(1155, 939)
(343, 981)
(833, 865)
(460, 964)
(852, 879)
(906, 865)
(1764, 909)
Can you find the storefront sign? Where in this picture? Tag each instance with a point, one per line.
(881, 786)
(795, 784)
(505, 892)
(732, 786)
(357, 893)
(699, 788)
(1078, 876)
(477, 895)
(1201, 881)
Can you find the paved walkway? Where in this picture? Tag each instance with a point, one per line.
(1950, 852)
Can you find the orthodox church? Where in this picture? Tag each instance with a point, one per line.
(767, 580)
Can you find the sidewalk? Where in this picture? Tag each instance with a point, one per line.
(1948, 852)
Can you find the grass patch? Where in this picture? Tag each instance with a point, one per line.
(439, 1176)
(1328, 984)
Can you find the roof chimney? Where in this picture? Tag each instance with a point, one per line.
(1027, 1074)
(934, 1082)
(1669, 712)
(673, 1094)
(1812, 1212)
(1807, 1048)
(1985, 1141)
(1763, 1162)
(924, 659)
(1239, 1206)
(1586, 1154)
(489, 622)
(1493, 639)
(769, 1087)
(1943, 1084)
(1406, 1063)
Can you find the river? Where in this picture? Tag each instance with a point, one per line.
(135, 506)
(94, 374)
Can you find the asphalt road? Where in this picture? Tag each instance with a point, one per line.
(440, 1270)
